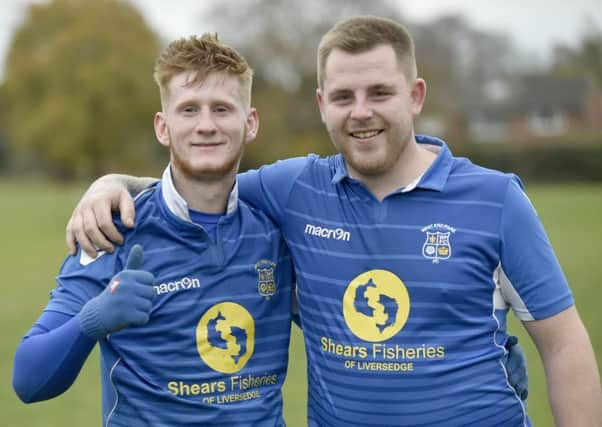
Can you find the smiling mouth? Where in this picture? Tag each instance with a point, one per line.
(365, 134)
(206, 144)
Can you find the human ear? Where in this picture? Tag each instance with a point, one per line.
(161, 130)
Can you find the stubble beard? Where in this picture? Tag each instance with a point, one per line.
(208, 173)
(373, 166)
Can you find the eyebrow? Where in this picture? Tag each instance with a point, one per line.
(338, 92)
(212, 101)
(372, 88)
(380, 86)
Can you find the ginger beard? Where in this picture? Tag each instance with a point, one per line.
(206, 169)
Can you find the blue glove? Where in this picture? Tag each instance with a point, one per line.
(516, 366)
(126, 301)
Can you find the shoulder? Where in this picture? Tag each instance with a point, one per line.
(290, 169)
(151, 224)
(81, 273)
(480, 180)
(255, 220)
(147, 198)
(277, 180)
(308, 169)
(146, 204)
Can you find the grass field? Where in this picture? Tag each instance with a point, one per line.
(32, 220)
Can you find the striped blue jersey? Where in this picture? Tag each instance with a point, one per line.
(215, 349)
(403, 302)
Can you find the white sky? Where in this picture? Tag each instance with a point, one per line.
(533, 25)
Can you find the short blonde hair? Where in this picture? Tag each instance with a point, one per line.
(362, 33)
(201, 56)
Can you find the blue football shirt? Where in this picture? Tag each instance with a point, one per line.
(215, 349)
(403, 302)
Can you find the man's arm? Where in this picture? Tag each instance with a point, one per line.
(91, 224)
(572, 374)
(50, 357)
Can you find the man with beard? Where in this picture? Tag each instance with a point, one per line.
(199, 333)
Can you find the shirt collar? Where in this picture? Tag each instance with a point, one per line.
(434, 178)
(340, 169)
(176, 203)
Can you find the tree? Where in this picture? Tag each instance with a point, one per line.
(583, 61)
(79, 88)
(458, 61)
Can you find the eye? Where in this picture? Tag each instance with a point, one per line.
(381, 93)
(340, 98)
(221, 109)
(190, 109)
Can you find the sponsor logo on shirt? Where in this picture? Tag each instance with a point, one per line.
(225, 337)
(327, 233)
(376, 306)
(183, 284)
(437, 245)
(225, 341)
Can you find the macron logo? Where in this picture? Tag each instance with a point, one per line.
(327, 233)
(178, 285)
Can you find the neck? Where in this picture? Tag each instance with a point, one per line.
(412, 163)
(204, 195)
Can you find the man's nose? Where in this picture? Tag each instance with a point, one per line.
(205, 122)
(361, 110)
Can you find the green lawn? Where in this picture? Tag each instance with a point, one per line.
(32, 221)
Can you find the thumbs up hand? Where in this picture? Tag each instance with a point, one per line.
(125, 302)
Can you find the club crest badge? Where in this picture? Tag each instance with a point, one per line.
(266, 284)
(437, 245)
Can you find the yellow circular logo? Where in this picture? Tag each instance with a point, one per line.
(225, 337)
(376, 305)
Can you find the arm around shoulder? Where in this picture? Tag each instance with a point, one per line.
(91, 224)
(269, 187)
(133, 184)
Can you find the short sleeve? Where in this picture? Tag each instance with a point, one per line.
(534, 283)
(81, 279)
